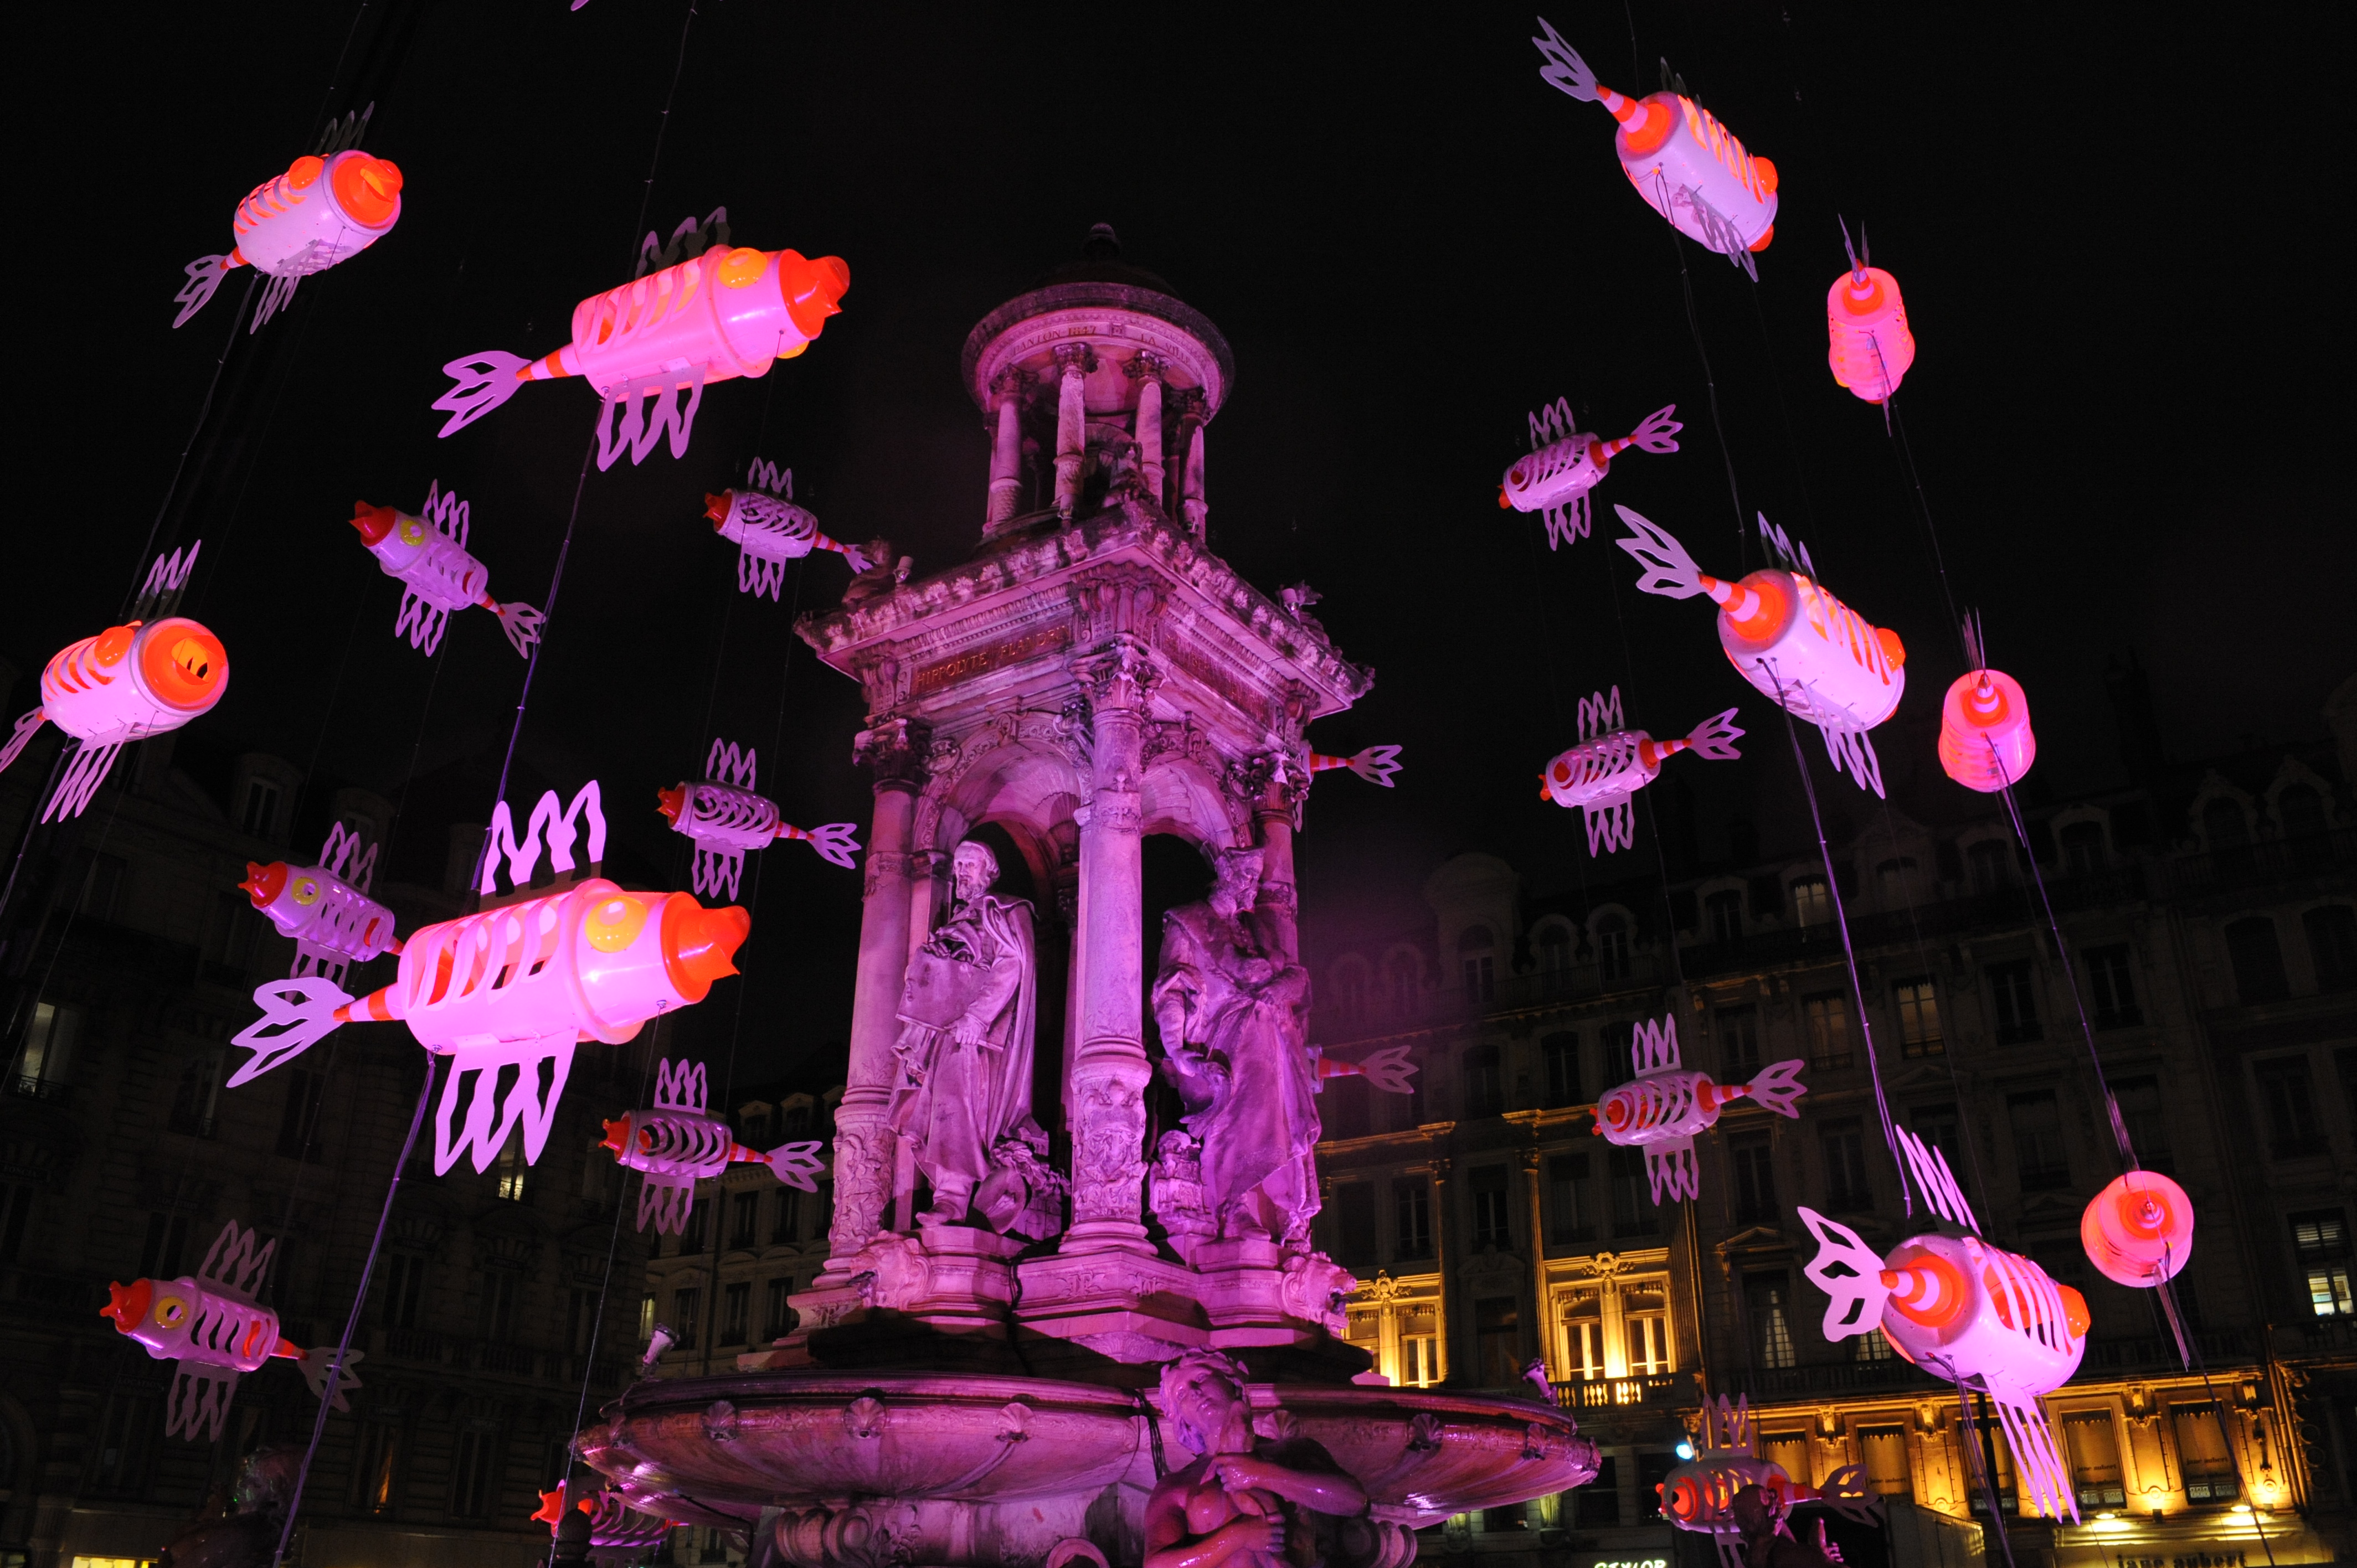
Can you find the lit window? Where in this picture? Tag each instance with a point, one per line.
(2320, 1239)
(1873, 1346)
(1812, 901)
(509, 1171)
(1919, 1017)
(1827, 1015)
(1771, 1329)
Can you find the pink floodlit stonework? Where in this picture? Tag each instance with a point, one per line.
(1016, 1251)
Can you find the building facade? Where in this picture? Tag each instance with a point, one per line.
(2209, 915)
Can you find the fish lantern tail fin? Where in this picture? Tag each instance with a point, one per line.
(854, 555)
(521, 623)
(1659, 432)
(205, 274)
(1845, 1492)
(1780, 1088)
(21, 737)
(478, 383)
(1714, 738)
(1564, 70)
(832, 840)
(1850, 1272)
(796, 1164)
(1376, 763)
(316, 1363)
(1670, 572)
(296, 1015)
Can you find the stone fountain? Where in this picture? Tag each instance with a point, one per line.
(1070, 1311)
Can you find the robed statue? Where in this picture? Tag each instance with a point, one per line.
(1234, 1011)
(965, 1043)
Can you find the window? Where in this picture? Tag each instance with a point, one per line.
(735, 1308)
(2082, 849)
(2140, 1110)
(1871, 1345)
(2257, 959)
(1612, 962)
(1739, 1043)
(2202, 1455)
(1990, 864)
(298, 1114)
(1419, 1347)
(1725, 910)
(1883, 1450)
(1991, 1462)
(2224, 824)
(1354, 1222)
(258, 812)
(2332, 945)
(580, 1321)
(1919, 1017)
(1560, 1054)
(2287, 1091)
(2094, 1446)
(125, 1449)
(1475, 958)
(2300, 810)
(745, 1213)
(1936, 1126)
(198, 1095)
(166, 1247)
(1347, 1112)
(1633, 1213)
(2011, 987)
(1405, 977)
(1349, 993)
(2109, 979)
(404, 1286)
(1772, 1329)
(796, 1124)
(1827, 1017)
(15, 1215)
(474, 1473)
(2038, 1141)
(1812, 901)
(1646, 1314)
(1599, 1502)
(698, 1230)
(1844, 1143)
(499, 1305)
(229, 940)
(2320, 1239)
(1653, 1471)
(1411, 1217)
(1896, 878)
(510, 1170)
(777, 1319)
(786, 1217)
(1498, 1340)
(1755, 1178)
(1586, 1346)
(45, 1061)
(1488, 1186)
(1485, 1092)
(1568, 1216)
(686, 1316)
(374, 1490)
(1555, 950)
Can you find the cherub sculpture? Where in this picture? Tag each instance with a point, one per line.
(1246, 1500)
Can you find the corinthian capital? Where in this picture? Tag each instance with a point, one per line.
(1075, 359)
(1146, 364)
(1120, 674)
(895, 750)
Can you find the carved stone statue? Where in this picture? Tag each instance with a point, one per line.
(1246, 1501)
(241, 1531)
(1234, 1021)
(965, 1044)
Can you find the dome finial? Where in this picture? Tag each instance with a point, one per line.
(1103, 243)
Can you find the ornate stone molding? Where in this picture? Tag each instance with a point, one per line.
(1075, 359)
(1119, 676)
(1013, 381)
(895, 750)
(1146, 364)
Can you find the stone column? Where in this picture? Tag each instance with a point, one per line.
(1444, 1298)
(1277, 900)
(1191, 499)
(1073, 362)
(1006, 448)
(1192, 409)
(1147, 368)
(1110, 1070)
(895, 749)
(1545, 1348)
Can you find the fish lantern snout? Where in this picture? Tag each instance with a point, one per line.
(700, 944)
(374, 523)
(264, 884)
(368, 188)
(127, 1305)
(183, 664)
(811, 288)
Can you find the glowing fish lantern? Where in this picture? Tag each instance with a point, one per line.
(1662, 1109)
(519, 986)
(1869, 347)
(1565, 463)
(769, 529)
(327, 208)
(725, 817)
(2139, 1231)
(680, 1142)
(1699, 1495)
(1375, 764)
(1687, 167)
(209, 1324)
(1985, 741)
(1607, 767)
(326, 907)
(1797, 643)
(427, 556)
(612, 1522)
(128, 682)
(1966, 1312)
(726, 313)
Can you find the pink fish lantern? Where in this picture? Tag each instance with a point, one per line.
(1985, 741)
(1662, 1109)
(1609, 766)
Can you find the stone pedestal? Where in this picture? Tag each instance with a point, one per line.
(951, 1279)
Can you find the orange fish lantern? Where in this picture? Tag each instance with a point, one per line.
(1687, 167)
(2139, 1231)
(1869, 347)
(728, 312)
(126, 683)
(1985, 741)
(328, 206)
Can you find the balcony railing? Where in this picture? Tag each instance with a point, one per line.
(1831, 1378)
(2277, 860)
(2218, 1347)
(1613, 1393)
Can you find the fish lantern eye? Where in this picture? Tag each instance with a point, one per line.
(304, 170)
(743, 267)
(113, 643)
(306, 892)
(412, 530)
(1515, 477)
(169, 1310)
(615, 923)
(1615, 1112)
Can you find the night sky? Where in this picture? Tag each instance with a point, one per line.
(2122, 239)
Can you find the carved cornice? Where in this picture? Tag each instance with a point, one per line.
(895, 749)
